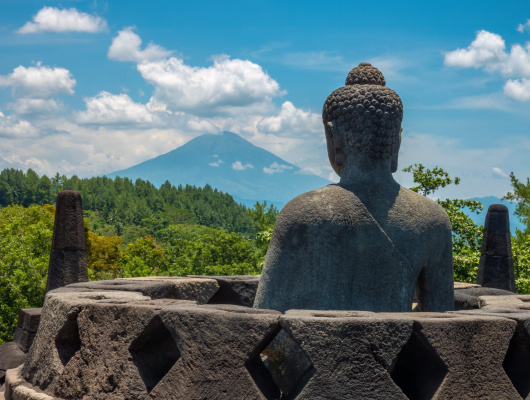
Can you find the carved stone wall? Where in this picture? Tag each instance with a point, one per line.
(136, 339)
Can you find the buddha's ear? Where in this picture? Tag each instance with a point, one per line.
(395, 153)
(330, 140)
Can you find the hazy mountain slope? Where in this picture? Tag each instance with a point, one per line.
(231, 164)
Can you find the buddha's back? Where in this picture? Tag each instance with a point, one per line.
(366, 243)
(329, 250)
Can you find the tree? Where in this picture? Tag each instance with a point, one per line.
(25, 245)
(521, 194)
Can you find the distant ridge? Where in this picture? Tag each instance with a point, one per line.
(231, 164)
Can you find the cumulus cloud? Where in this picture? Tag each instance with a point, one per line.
(291, 120)
(39, 81)
(29, 106)
(239, 166)
(107, 108)
(12, 127)
(127, 47)
(524, 27)
(227, 83)
(276, 168)
(518, 89)
(51, 19)
(488, 51)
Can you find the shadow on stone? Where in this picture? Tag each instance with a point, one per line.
(287, 365)
(418, 370)
(68, 341)
(154, 353)
(517, 361)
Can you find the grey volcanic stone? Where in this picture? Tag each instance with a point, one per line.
(219, 353)
(467, 299)
(351, 353)
(496, 263)
(196, 289)
(60, 336)
(239, 290)
(29, 319)
(10, 357)
(23, 339)
(153, 289)
(68, 256)
(472, 350)
(365, 243)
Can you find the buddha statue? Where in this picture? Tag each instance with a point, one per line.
(365, 243)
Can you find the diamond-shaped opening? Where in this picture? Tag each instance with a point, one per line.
(154, 352)
(67, 341)
(418, 370)
(281, 366)
(517, 361)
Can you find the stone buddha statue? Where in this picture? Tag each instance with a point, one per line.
(366, 243)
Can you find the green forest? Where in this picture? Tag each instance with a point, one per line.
(135, 229)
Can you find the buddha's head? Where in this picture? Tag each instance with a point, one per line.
(363, 118)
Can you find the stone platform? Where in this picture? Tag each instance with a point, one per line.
(159, 338)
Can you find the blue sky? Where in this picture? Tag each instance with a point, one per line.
(91, 87)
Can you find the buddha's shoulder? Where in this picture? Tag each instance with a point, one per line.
(325, 203)
(420, 209)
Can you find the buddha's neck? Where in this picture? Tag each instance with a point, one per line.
(371, 175)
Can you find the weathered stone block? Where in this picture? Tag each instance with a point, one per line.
(29, 319)
(23, 339)
(352, 353)
(153, 289)
(195, 289)
(496, 264)
(467, 299)
(66, 266)
(239, 290)
(472, 349)
(69, 230)
(10, 357)
(219, 349)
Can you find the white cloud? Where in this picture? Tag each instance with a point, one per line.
(39, 82)
(239, 166)
(524, 27)
(486, 48)
(29, 106)
(488, 51)
(276, 168)
(127, 47)
(51, 19)
(219, 162)
(225, 85)
(500, 172)
(291, 120)
(107, 108)
(12, 127)
(518, 89)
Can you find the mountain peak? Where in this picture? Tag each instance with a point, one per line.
(230, 163)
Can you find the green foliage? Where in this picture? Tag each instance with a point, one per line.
(467, 236)
(521, 262)
(264, 219)
(521, 194)
(429, 180)
(143, 258)
(113, 205)
(25, 244)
